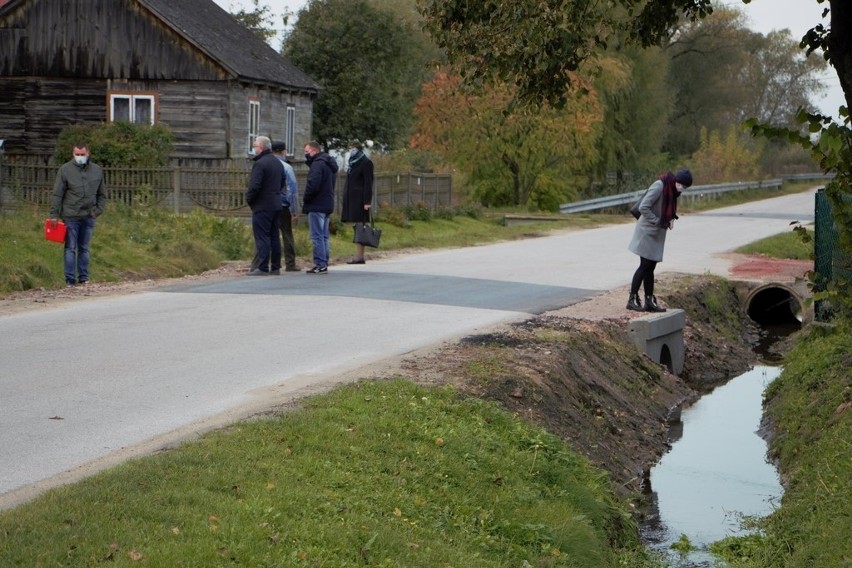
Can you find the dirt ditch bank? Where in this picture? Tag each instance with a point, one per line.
(575, 372)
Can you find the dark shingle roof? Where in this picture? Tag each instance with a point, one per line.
(218, 34)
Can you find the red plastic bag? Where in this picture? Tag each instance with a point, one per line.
(57, 233)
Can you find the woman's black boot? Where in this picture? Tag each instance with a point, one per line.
(633, 303)
(651, 305)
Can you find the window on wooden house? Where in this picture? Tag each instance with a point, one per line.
(254, 122)
(290, 129)
(135, 108)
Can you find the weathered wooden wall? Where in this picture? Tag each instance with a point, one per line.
(59, 60)
(97, 39)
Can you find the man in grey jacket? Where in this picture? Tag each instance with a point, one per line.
(78, 198)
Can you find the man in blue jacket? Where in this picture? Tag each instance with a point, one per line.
(289, 206)
(264, 198)
(318, 203)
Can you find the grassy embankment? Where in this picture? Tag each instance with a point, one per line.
(374, 473)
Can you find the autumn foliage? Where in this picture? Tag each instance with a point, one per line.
(509, 155)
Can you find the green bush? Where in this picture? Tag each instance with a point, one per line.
(420, 211)
(118, 144)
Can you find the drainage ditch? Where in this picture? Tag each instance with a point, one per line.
(717, 473)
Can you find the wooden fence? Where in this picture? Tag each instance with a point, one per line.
(220, 191)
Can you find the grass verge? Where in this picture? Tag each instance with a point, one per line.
(375, 473)
(787, 245)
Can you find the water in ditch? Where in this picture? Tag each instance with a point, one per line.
(715, 473)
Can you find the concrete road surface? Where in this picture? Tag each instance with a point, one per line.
(87, 384)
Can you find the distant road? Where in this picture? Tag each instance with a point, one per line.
(88, 384)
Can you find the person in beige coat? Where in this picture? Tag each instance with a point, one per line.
(658, 211)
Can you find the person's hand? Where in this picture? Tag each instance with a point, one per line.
(52, 223)
(295, 217)
(367, 207)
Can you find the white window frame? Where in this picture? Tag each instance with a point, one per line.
(253, 121)
(290, 129)
(133, 99)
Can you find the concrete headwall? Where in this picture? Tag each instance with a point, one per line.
(660, 336)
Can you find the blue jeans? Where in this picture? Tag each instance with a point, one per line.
(318, 227)
(78, 237)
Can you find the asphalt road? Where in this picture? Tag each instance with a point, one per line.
(88, 384)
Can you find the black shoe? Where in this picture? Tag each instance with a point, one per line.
(651, 304)
(275, 272)
(258, 272)
(357, 261)
(291, 269)
(318, 270)
(634, 304)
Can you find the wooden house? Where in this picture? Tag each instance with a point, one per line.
(187, 64)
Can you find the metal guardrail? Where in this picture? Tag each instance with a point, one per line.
(696, 191)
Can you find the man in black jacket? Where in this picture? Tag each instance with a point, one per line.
(318, 203)
(263, 196)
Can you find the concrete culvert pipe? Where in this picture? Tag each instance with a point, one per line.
(774, 304)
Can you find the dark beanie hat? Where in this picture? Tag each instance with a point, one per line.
(278, 146)
(684, 177)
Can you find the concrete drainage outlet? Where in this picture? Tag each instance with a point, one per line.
(774, 303)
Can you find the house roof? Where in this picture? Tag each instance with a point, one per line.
(218, 34)
(223, 39)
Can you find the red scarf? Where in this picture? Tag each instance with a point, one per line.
(669, 207)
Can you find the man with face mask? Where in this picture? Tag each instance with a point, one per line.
(78, 198)
(318, 203)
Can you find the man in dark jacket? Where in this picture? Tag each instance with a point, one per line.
(263, 196)
(318, 203)
(78, 197)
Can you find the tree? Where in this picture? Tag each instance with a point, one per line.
(735, 158)
(369, 70)
(259, 20)
(537, 159)
(723, 73)
(637, 101)
(536, 45)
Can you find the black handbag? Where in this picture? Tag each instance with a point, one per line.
(635, 209)
(367, 235)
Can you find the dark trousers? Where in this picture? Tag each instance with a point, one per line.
(267, 245)
(644, 275)
(286, 225)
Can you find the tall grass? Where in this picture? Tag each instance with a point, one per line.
(375, 473)
(128, 244)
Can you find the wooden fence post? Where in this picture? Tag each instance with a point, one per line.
(176, 179)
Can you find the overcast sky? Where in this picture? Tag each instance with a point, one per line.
(764, 16)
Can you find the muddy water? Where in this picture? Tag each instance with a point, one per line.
(715, 473)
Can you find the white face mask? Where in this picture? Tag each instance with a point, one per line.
(81, 160)
(679, 186)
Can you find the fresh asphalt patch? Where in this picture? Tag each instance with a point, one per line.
(418, 288)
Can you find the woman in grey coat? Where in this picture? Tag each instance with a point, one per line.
(658, 211)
